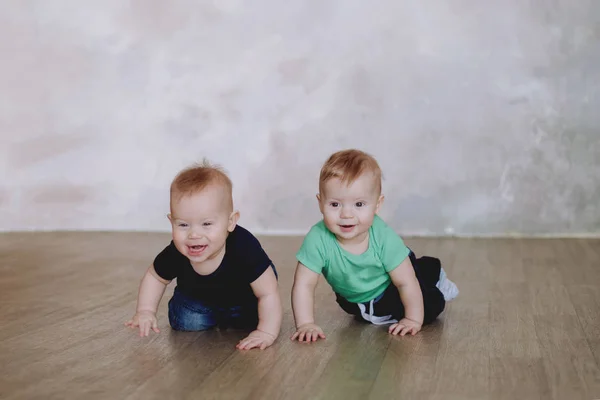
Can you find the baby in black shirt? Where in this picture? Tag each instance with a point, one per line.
(224, 277)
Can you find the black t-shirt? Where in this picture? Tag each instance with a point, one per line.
(229, 285)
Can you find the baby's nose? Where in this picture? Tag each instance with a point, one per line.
(193, 234)
(346, 213)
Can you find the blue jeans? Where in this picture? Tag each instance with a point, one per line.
(188, 314)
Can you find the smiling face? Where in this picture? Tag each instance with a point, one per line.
(201, 223)
(349, 208)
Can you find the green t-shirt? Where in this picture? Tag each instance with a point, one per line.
(357, 278)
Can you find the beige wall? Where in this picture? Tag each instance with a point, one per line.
(483, 115)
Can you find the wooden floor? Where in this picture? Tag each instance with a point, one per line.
(526, 326)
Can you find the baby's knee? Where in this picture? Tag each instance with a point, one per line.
(434, 306)
(176, 326)
(190, 323)
(185, 319)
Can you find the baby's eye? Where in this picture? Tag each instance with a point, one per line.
(359, 204)
(207, 224)
(334, 204)
(182, 225)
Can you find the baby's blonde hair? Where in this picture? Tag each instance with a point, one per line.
(348, 165)
(198, 177)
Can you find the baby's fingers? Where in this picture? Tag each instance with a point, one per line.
(248, 344)
(310, 336)
(132, 323)
(244, 342)
(144, 328)
(305, 336)
(147, 327)
(405, 330)
(302, 335)
(316, 335)
(155, 326)
(264, 345)
(396, 328)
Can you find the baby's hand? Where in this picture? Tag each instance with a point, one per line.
(145, 320)
(405, 326)
(308, 333)
(256, 338)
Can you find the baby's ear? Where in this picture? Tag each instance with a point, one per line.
(170, 217)
(233, 219)
(319, 201)
(379, 203)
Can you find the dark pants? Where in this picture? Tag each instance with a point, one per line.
(188, 314)
(427, 270)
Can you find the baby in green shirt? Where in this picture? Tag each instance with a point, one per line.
(373, 274)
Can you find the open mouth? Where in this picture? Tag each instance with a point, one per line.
(196, 249)
(346, 228)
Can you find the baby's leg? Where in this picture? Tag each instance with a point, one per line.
(362, 312)
(391, 304)
(186, 314)
(428, 270)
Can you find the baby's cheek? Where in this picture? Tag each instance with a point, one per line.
(179, 241)
(368, 219)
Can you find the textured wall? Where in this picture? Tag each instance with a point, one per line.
(485, 116)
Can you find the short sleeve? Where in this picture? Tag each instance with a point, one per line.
(257, 259)
(392, 250)
(167, 263)
(312, 253)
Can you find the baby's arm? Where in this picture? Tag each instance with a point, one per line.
(269, 313)
(303, 298)
(151, 291)
(405, 280)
